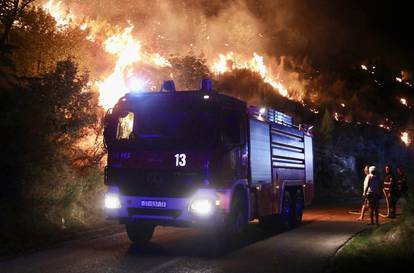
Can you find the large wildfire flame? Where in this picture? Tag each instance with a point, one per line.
(128, 52)
(63, 17)
(231, 61)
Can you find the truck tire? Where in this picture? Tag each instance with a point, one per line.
(237, 219)
(269, 223)
(139, 233)
(298, 204)
(224, 237)
(287, 214)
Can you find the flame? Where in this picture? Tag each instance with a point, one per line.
(404, 101)
(64, 18)
(231, 61)
(406, 138)
(336, 116)
(160, 61)
(398, 79)
(364, 67)
(128, 53)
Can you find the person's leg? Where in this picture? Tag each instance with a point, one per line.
(387, 200)
(362, 214)
(371, 214)
(371, 210)
(397, 197)
(392, 206)
(377, 211)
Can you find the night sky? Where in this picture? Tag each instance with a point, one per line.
(339, 32)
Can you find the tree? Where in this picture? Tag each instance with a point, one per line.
(10, 11)
(326, 129)
(40, 44)
(41, 121)
(188, 71)
(64, 104)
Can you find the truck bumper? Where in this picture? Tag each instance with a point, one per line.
(171, 211)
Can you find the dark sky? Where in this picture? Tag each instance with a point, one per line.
(341, 31)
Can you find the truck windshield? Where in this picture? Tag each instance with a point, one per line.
(169, 126)
(125, 126)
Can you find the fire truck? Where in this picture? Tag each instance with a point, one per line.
(203, 159)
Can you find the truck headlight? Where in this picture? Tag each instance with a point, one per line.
(112, 201)
(202, 206)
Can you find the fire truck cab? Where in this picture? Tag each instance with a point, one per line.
(205, 159)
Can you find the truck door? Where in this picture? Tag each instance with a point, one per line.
(309, 189)
(260, 165)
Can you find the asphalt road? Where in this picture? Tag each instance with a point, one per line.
(307, 248)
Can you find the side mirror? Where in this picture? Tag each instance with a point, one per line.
(109, 128)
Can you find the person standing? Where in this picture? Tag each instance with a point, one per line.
(390, 191)
(365, 201)
(372, 190)
(401, 180)
(402, 187)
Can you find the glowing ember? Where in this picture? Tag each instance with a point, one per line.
(404, 101)
(336, 116)
(364, 67)
(405, 138)
(398, 79)
(343, 105)
(386, 127)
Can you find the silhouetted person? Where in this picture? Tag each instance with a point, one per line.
(390, 191)
(401, 180)
(365, 201)
(372, 191)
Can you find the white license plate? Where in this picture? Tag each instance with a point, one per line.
(153, 204)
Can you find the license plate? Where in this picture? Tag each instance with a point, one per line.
(153, 204)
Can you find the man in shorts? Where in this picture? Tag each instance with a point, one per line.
(372, 191)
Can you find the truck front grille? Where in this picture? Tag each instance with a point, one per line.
(154, 184)
(154, 212)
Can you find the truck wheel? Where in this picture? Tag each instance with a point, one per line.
(298, 204)
(269, 223)
(224, 237)
(237, 220)
(139, 233)
(287, 211)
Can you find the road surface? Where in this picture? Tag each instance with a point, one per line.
(304, 249)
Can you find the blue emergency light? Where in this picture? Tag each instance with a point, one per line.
(168, 86)
(206, 85)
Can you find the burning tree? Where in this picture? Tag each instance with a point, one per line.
(45, 177)
(10, 11)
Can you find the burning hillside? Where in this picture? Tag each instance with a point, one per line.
(130, 52)
(230, 37)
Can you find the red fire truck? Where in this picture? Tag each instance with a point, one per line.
(205, 159)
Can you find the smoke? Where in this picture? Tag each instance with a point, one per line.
(308, 46)
(199, 27)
